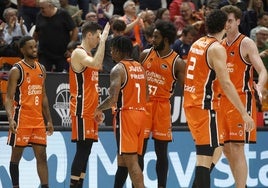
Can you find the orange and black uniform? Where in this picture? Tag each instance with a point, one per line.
(161, 81)
(28, 106)
(83, 102)
(131, 106)
(241, 74)
(201, 99)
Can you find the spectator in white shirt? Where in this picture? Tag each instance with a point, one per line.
(14, 27)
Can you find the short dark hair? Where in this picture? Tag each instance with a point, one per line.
(123, 44)
(118, 25)
(23, 41)
(189, 29)
(215, 21)
(90, 27)
(167, 30)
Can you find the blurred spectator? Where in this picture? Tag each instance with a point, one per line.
(174, 8)
(134, 23)
(118, 27)
(118, 6)
(14, 28)
(70, 48)
(5, 4)
(262, 22)
(55, 29)
(250, 16)
(210, 5)
(104, 10)
(28, 10)
(148, 35)
(74, 12)
(183, 44)
(262, 44)
(92, 16)
(162, 14)
(82, 4)
(149, 18)
(239, 3)
(188, 17)
(149, 4)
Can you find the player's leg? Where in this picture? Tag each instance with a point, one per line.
(14, 165)
(234, 152)
(216, 156)
(121, 173)
(83, 149)
(41, 163)
(134, 170)
(161, 161)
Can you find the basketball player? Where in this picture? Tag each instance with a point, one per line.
(128, 91)
(26, 104)
(164, 68)
(83, 79)
(206, 63)
(242, 57)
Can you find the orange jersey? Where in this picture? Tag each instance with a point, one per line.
(133, 92)
(200, 85)
(240, 71)
(29, 96)
(84, 92)
(241, 74)
(160, 74)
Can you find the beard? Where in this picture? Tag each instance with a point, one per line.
(32, 56)
(160, 47)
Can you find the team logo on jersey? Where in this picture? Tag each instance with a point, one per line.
(28, 78)
(62, 104)
(149, 65)
(164, 66)
(232, 53)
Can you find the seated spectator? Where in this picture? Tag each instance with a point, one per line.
(149, 18)
(6, 4)
(174, 8)
(183, 44)
(14, 28)
(162, 14)
(104, 10)
(148, 35)
(187, 18)
(28, 10)
(82, 4)
(262, 22)
(91, 16)
(74, 12)
(262, 44)
(250, 16)
(240, 4)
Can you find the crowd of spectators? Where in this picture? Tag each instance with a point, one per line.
(55, 24)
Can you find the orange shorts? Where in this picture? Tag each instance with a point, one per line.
(131, 131)
(84, 129)
(233, 123)
(204, 126)
(158, 120)
(27, 136)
